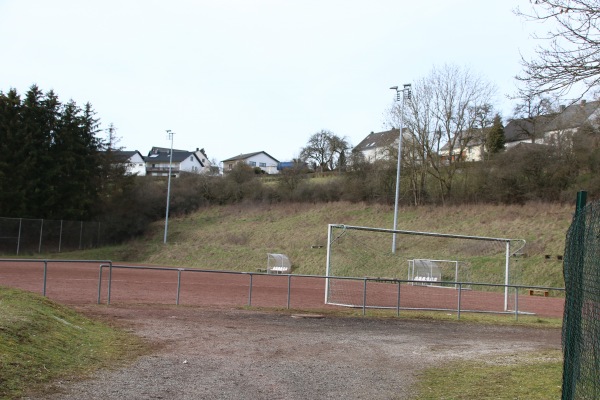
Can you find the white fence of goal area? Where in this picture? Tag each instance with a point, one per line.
(359, 251)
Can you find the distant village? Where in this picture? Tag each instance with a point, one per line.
(541, 130)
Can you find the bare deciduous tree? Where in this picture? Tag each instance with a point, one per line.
(574, 46)
(443, 118)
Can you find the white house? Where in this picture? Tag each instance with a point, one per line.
(159, 159)
(133, 160)
(469, 147)
(378, 145)
(259, 159)
(207, 166)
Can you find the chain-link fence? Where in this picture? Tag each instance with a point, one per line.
(29, 236)
(581, 323)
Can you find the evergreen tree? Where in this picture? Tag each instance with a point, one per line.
(495, 138)
(11, 195)
(51, 164)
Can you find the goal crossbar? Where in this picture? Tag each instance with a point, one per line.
(436, 234)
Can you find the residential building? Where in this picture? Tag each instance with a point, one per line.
(469, 147)
(553, 128)
(159, 160)
(259, 159)
(379, 145)
(132, 160)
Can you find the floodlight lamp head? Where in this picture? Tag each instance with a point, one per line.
(394, 88)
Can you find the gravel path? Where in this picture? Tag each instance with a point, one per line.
(211, 353)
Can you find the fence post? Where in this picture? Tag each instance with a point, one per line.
(516, 303)
(99, 284)
(80, 235)
(398, 301)
(19, 236)
(250, 291)
(41, 232)
(364, 296)
(459, 299)
(178, 284)
(109, 282)
(289, 290)
(45, 275)
(60, 235)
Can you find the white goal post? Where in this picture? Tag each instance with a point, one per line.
(363, 252)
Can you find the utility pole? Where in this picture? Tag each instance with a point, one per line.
(169, 184)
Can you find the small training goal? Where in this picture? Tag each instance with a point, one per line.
(440, 273)
(278, 264)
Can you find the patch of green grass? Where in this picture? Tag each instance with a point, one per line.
(465, 318)
(522, 376)
(41, 341)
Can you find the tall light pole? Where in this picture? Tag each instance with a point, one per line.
(169, 184)
(401, 95)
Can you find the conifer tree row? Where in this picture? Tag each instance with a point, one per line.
(51, 163)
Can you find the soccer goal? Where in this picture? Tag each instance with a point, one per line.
(364, 252)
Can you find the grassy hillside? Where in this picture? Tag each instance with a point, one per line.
(41, 341)
(239, 237)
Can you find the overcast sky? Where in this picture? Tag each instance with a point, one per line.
(239, 76)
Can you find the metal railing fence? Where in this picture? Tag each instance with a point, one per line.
(458, 300)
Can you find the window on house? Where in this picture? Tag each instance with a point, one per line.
(191, 158)
(252, 163)
(230, 166)
(262, 165)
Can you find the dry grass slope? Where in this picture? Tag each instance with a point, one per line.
(239, 237)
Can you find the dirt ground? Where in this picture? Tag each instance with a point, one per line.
(209, 347)
(231, 353)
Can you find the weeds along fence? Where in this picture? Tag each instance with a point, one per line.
(78, 281)
(28, 236)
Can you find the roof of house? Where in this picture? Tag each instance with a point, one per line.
(570, 117)
(242, 157)
(573, 116)
(379, 140)
(158, 154)
(126, 154)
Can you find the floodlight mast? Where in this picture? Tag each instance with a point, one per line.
(169, 185)
(401, 95)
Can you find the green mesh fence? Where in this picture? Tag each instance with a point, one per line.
(581, 323)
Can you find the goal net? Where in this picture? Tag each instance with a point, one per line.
(433, 259)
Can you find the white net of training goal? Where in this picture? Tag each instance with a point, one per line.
(433, 259)
(278, 264)
(441, 273)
